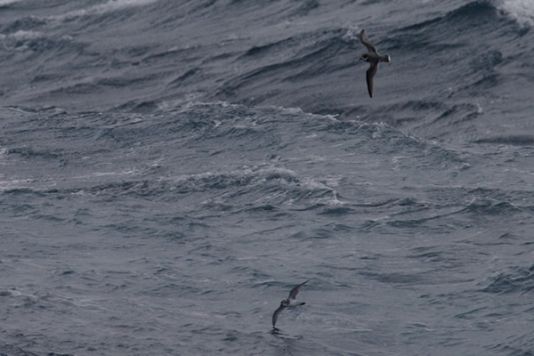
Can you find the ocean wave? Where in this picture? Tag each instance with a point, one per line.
(517, 280)
(23, 25)
(294, 174)
(520, 10)
(35, 41)
(31, 153)
(520, 345)
(315, 54)
(245, 177)
(261, 188)
(513, 140)
(100, 9)
(7, 3)
(457, 113)
(482, 206)
(249, 189)
(449, 31)
(473, 12)
(16, 186)
(305, 7)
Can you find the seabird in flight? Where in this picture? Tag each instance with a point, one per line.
(285, 303)
(373, 57)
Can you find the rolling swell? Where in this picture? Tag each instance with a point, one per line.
(474, 14)
(518, 140)
(315, 59)
(519, 280)
(169, 169)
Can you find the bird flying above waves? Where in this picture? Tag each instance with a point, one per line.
(286, 303)
(373, 58)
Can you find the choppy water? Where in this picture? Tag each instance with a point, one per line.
(170, 169)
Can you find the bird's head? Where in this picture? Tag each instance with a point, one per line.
(284, 303)
(364, 57)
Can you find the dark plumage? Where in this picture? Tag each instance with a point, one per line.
(373, 58)
(285, 303)
(293, 293)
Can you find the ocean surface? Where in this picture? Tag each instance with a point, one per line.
(169, 170)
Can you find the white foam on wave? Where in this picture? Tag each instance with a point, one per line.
(15, 184)
(23, 35)
(18, 40)
(3, 152)
(521, 10)
(109, 6)
(252, 173)
(8, 2)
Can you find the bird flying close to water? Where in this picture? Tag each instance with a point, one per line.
(285, 303)
(373, 58)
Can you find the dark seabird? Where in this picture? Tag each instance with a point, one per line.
(373, 57)
(285, 303)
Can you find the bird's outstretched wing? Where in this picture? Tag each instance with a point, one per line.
(275, 315)
(295, 290)
(370, 75)
(365, 41)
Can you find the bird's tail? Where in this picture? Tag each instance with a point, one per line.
(385, 58)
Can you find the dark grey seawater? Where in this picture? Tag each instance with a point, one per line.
(170, 169)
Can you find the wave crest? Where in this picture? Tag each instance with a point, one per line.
(520, 10)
